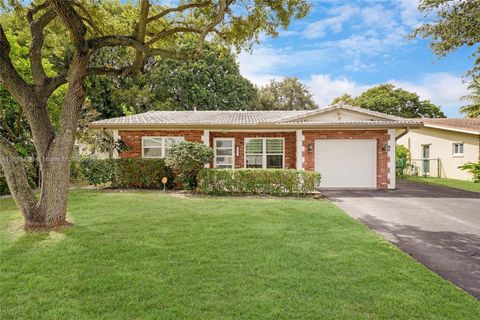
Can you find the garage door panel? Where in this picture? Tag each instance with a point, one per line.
(346, 163)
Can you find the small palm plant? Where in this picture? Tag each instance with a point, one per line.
(474, 169)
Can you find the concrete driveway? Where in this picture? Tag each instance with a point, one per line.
(438, 226)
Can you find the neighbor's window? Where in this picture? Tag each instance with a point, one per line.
(158, 147)
(264, 153)
(224, 153)
(458, 149)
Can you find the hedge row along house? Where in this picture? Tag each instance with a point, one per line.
(349, 146)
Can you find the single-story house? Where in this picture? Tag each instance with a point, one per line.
(443, 144)
(349, 146)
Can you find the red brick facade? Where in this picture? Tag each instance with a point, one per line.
(380, 135)
(290, 139)
(134, 140)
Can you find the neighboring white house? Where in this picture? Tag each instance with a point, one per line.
(441, 145)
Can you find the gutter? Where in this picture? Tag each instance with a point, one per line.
(407, 130)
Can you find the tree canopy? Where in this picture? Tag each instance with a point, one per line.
(287, 94)
(453, 24)
(211, 81)
(472, 110)
(85, 30)
(394, 101)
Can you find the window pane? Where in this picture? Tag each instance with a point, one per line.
(274, 145)
(224, 152)
(223, 143)
(274, 161)
(460, 148)
(254, 146)
(152, 142)
(224, 161)
(170, 141)
(254, 161)
(152, 152)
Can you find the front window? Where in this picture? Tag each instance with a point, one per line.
(158, 147)
(264, 153)
(224, 153)
(458, 149)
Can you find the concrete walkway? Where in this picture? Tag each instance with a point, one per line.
(438, 226)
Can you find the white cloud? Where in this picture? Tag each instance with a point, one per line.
(442, 88)
(334, 24)
(325, 88)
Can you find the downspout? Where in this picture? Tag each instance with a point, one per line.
(407, 130)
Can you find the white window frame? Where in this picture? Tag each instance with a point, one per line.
(162, 147)
(453, 149)
(215, 151)
(264, 151)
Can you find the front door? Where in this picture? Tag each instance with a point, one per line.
(426, 159)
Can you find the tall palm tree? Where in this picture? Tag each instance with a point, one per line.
(472, 110)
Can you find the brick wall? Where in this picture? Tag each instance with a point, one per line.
(380, 135)
(134, 139)
(290, 139)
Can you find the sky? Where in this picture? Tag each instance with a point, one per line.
(350, 46)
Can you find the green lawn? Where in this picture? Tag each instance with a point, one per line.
(451, 183)
(143, 255)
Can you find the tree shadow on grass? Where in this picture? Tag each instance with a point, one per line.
(454, 256)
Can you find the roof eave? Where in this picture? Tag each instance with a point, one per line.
(475, 132)
(413, 125)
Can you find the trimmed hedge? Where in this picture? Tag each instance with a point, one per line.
(125, 173)
(141, 173)
(278, 182)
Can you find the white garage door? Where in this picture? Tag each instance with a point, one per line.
(346, 163)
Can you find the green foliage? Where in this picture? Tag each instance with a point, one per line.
(474, 169)
(398, 102)
(122, 173)
(288, 94)
(186, 159)
(141, 173)
(402, 155)
(278, 182)
(97, 171)
(473, 110)
(346, 98)
(455, 24)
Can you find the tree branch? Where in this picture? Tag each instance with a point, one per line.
(72, 21)
(14, 171)
(178, 9)
(169, 32)
(113, 41)
(35, 54)
(9, 76)
(222, 8)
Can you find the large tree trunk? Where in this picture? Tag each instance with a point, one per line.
(54, 150)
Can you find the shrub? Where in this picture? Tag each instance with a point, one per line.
(141, 173)
(278, 182)
(402, 155)
(97, 171)
(186, 159)
(474, 169)
(124, 173)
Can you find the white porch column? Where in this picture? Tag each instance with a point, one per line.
(206, 141)
(206, 137)
(392, 161)
(115, 137)
(300, 149)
